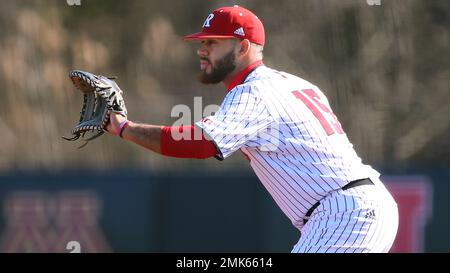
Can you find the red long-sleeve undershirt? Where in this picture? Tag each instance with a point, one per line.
(186, 148)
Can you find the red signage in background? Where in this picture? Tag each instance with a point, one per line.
(414, 196)
(63, 222)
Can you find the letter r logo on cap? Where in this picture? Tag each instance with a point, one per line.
(207, 21)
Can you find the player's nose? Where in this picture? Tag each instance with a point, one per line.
(202, 52)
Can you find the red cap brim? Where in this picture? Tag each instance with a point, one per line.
(202, 35)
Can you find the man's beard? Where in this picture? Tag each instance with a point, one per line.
(223, 67)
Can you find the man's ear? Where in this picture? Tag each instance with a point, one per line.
(244, 47)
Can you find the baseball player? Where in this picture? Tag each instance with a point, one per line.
(285, 127)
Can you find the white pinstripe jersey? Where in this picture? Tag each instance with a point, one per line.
(286, 128)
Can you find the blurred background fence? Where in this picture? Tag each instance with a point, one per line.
(385, 69)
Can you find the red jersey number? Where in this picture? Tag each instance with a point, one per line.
(320, 110)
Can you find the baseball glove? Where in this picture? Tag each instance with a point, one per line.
(101, 97)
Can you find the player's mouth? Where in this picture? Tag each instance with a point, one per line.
(204, 64)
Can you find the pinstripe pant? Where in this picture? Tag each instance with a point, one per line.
(360, 219)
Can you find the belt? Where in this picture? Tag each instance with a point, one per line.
(356, 183)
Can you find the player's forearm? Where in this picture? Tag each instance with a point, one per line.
(160, 139)
(145, 135)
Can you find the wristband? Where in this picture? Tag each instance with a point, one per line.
(122, 126)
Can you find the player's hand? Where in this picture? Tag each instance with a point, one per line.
(114, 122)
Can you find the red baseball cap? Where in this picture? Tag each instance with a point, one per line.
(231, 22)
